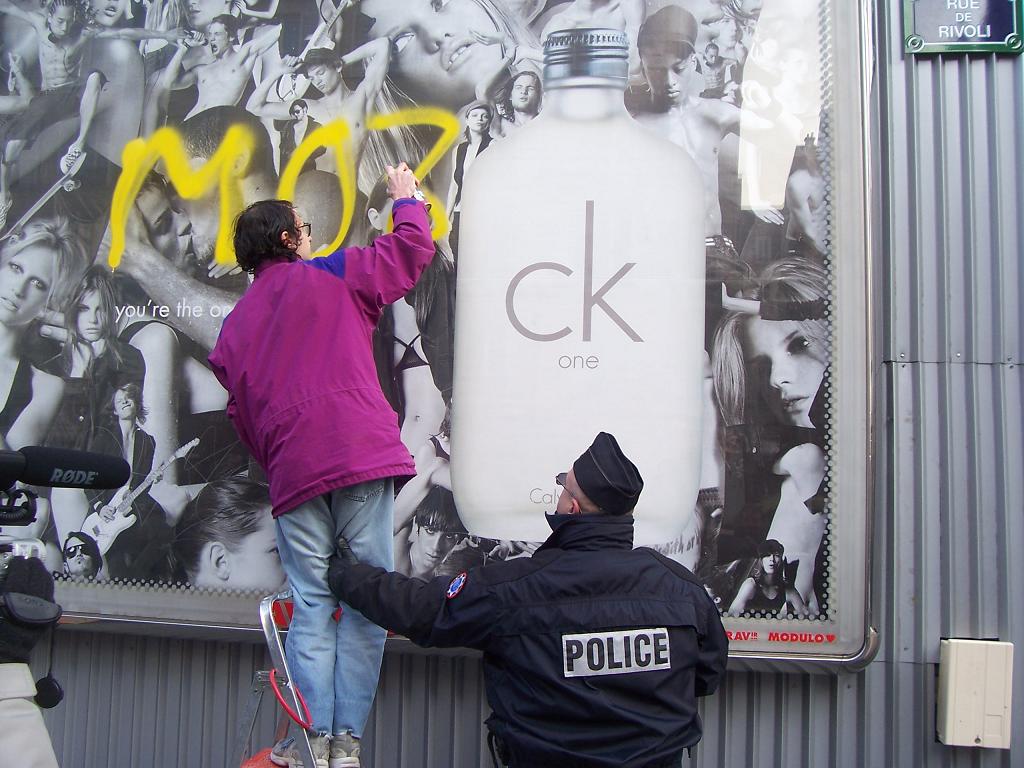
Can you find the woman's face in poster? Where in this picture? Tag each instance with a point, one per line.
(202, 12)
(770, 564)
(25, 281)
(90, 317)
(478, 119)
(436, 58)
(106, 13)
(786, 366)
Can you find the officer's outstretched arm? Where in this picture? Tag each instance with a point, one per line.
(713, 654)
(403, 605)
(430, 613)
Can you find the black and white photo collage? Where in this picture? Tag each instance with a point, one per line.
(114, 360)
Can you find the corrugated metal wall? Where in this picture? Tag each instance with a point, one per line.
(949, 527)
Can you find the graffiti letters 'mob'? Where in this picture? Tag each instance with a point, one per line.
(223, 171)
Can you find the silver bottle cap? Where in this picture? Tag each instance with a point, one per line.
(590, 52)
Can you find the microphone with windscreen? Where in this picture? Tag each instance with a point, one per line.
(62, 468)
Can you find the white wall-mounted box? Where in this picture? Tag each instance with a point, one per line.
(974, 694)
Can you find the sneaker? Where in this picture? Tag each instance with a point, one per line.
(287, 754)
(344, 751)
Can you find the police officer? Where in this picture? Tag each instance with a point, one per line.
(594, 652)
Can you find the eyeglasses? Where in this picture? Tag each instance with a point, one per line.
(73, 551)
(560, 480)
(307, 228)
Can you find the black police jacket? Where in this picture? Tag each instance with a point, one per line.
(594, 652)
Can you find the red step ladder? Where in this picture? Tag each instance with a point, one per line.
(275, 615)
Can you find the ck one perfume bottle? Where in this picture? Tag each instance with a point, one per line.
(580, 304)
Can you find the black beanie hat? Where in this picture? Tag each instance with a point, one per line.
(27, 576)
(607, 477)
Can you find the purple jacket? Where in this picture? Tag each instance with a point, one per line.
(295, 356)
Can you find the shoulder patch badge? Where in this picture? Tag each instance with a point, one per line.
(457, 584)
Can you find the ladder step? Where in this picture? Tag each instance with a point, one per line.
(274, 617)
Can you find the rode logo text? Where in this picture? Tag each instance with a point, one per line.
(76, 476)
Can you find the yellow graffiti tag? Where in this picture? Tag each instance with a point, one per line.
(449, 125)
(222, 171)
(335, 134)
(228, 165)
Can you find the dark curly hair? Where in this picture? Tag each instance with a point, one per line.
(257, 233)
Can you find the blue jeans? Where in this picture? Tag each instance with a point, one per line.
(335, 665)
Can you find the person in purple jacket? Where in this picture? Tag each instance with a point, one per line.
(295, 357)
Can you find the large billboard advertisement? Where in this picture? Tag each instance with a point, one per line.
(665, 266)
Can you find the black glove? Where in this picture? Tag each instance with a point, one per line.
(28, 609)
(337, 567)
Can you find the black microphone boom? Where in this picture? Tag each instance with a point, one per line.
(62, 468)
